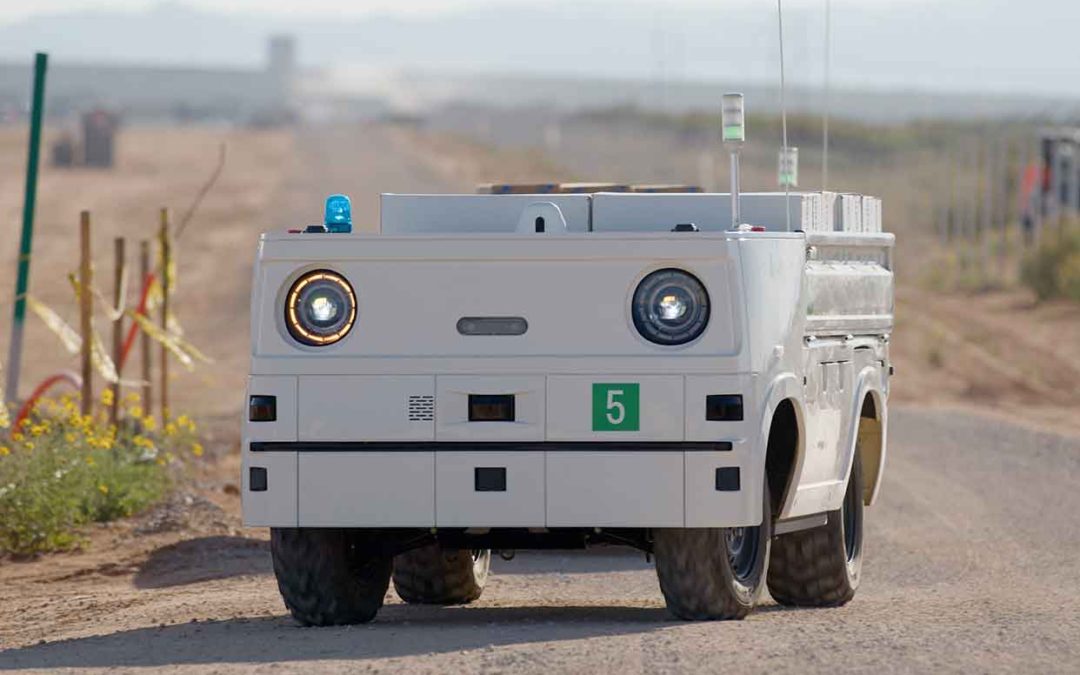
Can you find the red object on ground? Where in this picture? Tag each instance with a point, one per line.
(66, 376)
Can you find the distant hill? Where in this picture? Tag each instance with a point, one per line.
(969, 46)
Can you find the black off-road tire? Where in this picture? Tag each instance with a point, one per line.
(435, 576)
(329, 577)
(822, 567)
(698, 577)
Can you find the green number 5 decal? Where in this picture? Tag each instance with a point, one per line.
(616, 407)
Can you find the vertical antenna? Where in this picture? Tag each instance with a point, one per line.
(783, 109)
(825, 118)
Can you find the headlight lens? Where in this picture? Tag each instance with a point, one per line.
(671, 307)
(320, 308)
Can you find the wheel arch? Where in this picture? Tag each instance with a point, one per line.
(783, 431)
(868, 437)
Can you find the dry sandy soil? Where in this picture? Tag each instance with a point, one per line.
(972, 551)
(972, 567)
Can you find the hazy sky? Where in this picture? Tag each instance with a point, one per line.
(16, 9)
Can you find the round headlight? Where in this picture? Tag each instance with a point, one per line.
(671, 307)
(320, 308)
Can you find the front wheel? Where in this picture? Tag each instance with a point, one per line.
(821, 567)
(329, 577)
(714, 573)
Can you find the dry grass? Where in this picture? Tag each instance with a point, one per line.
(156, 167)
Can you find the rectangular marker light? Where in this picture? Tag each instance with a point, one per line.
(788, 173)
(732, 119)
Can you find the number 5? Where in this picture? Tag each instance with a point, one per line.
(615, 419)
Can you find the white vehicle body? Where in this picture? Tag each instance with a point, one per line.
(375, 432)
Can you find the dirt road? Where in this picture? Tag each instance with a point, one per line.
(972, 553)
(972, 566)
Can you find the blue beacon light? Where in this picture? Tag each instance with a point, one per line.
(338, 216)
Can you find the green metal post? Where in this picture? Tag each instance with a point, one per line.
(41, 62)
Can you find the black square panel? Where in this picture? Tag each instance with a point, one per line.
(492, 408)
(490, 479)
(262, 409)
(724, 408)
(728, 479)
(257, 479)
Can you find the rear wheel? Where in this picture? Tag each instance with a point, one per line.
(329, 577)
(714, 573)
(821, 567)
(433, 575)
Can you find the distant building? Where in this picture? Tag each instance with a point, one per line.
(162, 92)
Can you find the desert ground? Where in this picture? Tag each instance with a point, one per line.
(973, 549)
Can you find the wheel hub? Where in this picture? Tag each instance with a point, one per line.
(742, 550)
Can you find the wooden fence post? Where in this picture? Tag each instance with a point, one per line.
(144, 340)
(86, 308)
(119, 263)
(166, 259)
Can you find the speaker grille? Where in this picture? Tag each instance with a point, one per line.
(421, 408)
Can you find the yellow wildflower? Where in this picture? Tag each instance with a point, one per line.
(17, 437)
(149, 423)
(70, 437)
(170, 429)
(103, 489)
(89, 460)
(107, 396)
(135, 411)
(37, 430)
(197, 449)
(29, 445)
(185, 422)
(4, 451)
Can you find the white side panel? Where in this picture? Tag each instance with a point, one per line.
(367, 408)
(276, 507)
(773, 279)
(441, 214)
(458, 504)
(707, 507)
(570, 402)
(370, 489)
(452, 409)
(615, 489)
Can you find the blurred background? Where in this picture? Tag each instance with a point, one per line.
(962, 116)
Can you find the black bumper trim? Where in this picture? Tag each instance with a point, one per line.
(481, 446)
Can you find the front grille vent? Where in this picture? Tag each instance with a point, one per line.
(421, 408)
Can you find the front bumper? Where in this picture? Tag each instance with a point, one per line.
(341, 453)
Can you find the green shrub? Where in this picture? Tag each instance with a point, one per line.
(1053, 269)
(60, 470)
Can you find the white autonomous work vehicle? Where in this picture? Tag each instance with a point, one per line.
(701, 376)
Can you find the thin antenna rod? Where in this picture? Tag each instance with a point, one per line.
(783, 109)
(825, 119)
